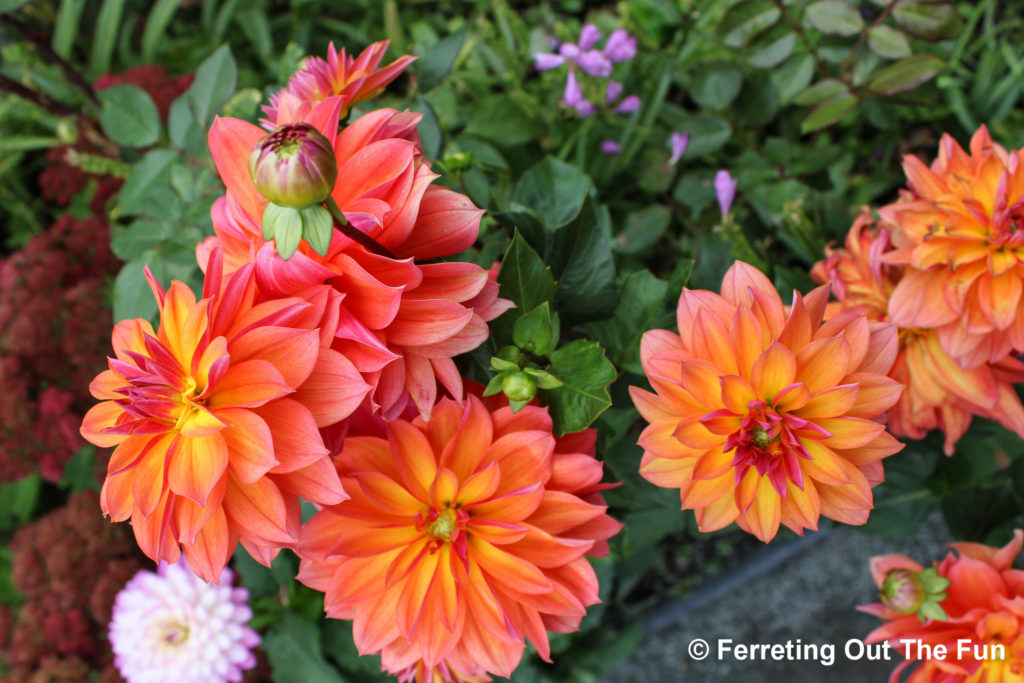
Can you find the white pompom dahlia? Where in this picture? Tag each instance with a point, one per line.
(172, 627)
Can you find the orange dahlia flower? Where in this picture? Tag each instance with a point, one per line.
(401, 322)
(983, 634)
(962, 242)
(763, 416)
(215, 420)
(354, 79)
(469, 530)
(939, 393)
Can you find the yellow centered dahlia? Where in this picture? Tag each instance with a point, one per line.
(765, 416)
(962, 240)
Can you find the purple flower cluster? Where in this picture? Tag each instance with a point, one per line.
(620, 47)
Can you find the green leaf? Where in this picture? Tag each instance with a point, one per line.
(828, 112)
(523, 276)
(128, 115)
(745, 20)
(79, 472)
(708, 133)
(294, 649)
(834, 17)
(149, 174)
(717, 85)
(437, 61)
(888, 43)
(182, 128)
(646, 528)
(156, 26)
(906, 74)
(11, 5)
(642, 229)
(18, 501)
(585, 374)
(507, 120)
(819, 92)
(132, 296)
(317, 228)
(793, 78)
(339, 646)
(429, 128)
(581, 258)
(758, 103)
(108, 21)
(555, 190)
(772, 48)
(68, 25)
(639, 306)
(928, 20)
(213, 86)
(534, 331)
(129, 243)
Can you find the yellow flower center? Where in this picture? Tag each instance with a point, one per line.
(442, 527)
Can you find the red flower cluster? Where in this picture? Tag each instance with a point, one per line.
(52, 329)
(69, 590)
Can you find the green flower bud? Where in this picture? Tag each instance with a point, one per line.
(903, 591)
(294, 166)
(519, 387)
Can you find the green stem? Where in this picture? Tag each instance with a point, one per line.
(350, 231)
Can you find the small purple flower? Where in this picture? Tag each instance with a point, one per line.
(678, 141)
(610, 147)
(573, 94)
(628, 105)
(173, 626)
(569, 50)
(725, 190)
(612, 92)
(621, 47)
(585, 108)
(595, 64)
(545, 61)
(588, 37)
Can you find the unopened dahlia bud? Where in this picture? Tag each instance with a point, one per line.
(294, 166)
(519, 387)
(903, 591)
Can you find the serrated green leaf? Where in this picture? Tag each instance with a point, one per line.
(555, 190)
(928, 20)
(581, 258)
(906, 74)
(828, 112)
(129, 116)
(585, 373)
(213, 86)
(888, 43)
(523, 276)
(834, 17)
(148, 175)
(437, 61)
(639, 305)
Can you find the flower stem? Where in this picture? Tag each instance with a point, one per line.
(357, 236)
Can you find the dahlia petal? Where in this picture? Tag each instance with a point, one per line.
(801, 508)
(559, 512)
(507, 570)
(999, 297)
(212, 548)
(876, 394)
(292, 351)
(746, 334)
(480, 485)
(333, 390)
(247, 385)
(427, 322)
(420, 383)
(259, 511)
(447, 224)
(667, 473)
(743, 277)
(720, 514)
(317, 482)
(774, 370)
(713, 464)
(201, 421)
(196, 465)
(191, 517)
(823, 465)
(414, 458)
(918, 301)
(249, 444)
(153, 533)
(511, 507)
(972, 582)
(524, 458)
(849, 432)
(764, 515)
(150, 481)
(116, 496)
(296, 441)
(389, 495)
(706, 491)
(701, 379)
(231, 141)
(710, 339)
(835, 401)
(824, 362)
(414, 594)
(100, 417)
(693, 434)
